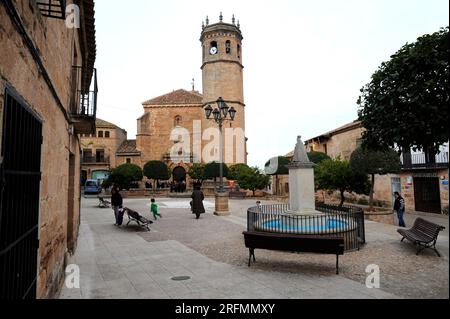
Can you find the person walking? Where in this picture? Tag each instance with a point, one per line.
(116, 203)
(197, 201)
(154, 209)
(399, 207)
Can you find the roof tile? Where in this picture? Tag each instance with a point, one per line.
(179, 97)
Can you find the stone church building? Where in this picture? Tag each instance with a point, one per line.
(183, 111)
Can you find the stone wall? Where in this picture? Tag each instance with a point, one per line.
(341, 144)
(59, 50)
(109, 145)
(155, 128)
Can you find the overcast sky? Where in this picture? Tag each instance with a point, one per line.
(305, 61)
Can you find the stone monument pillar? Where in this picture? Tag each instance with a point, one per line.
(301, 183)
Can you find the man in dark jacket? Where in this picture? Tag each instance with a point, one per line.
(399, 207)
(197, 202)
(116, 203)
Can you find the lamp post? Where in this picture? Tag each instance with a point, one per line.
(220, 115)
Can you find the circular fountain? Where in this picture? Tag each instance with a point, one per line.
(302, 215)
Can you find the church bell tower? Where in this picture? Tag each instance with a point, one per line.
(222, 72)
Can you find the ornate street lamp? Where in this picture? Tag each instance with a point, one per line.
(220, 115)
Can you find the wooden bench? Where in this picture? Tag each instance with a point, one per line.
(423, 234)
(294, 243)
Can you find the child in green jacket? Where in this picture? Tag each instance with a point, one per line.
(154, 209)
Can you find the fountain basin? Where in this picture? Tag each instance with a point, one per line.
(332, 221)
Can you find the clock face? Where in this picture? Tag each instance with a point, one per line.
(213, 50)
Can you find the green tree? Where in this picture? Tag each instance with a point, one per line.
(156, 170)
(212, 171)
(335, 174)
(197, 172)
(253, 180)
(275, 167)
(237, 170)
(406, 102)
(124, 176)
(371, 162)
(318, 157)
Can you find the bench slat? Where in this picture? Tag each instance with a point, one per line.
(423, 233)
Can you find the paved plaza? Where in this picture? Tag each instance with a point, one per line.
(128, 262)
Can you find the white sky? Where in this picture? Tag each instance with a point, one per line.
(305, 61)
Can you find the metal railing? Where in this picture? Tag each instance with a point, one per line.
(95, 160)
(346, 222)
(422, 161)
(84, 92)
(186, 158)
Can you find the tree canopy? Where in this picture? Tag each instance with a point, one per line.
(253, 180)
(212, 170)
(335, 174)
(367, 161)
(371, 162)
(318, 157)
(406, 102)
(237, 170)
(124, 176)
(197, 172)
(156, 170)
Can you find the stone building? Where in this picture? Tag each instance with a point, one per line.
(99, 150)
(47, 98)
(423, 179)
(339, 142)
(179, 116)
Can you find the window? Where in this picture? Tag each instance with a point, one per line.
(100, 134)
(107, 134)
(177, 121)
(213, 48)
(100, 156)
(239, 51)
(128, 160)
(228, 47)
(87, 155)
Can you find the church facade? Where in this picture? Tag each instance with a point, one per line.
(174, 128)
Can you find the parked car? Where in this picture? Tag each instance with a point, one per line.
(92, 187)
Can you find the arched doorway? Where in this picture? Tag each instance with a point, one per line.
(179, 174)
(179, 180)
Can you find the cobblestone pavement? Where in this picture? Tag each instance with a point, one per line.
(130, 263)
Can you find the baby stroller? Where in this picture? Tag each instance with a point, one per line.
(134, 216)
(103, 203)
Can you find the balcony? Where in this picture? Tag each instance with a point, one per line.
(83, 101)
(52, 8)
(187, 158)
(424, 161)
(94, 160)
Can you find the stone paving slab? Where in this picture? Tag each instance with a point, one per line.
(129, 263)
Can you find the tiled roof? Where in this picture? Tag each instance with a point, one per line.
(128, 147)
(344, 128)
(179, 97)
(102, 123)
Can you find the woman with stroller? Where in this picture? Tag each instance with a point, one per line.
(197, 201)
